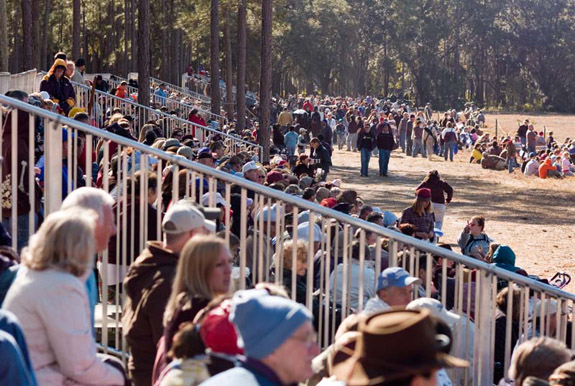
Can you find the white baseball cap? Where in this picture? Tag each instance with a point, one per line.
(218, 199)
(437, 309)
(269, 213)
(183, 216)
(249, 166)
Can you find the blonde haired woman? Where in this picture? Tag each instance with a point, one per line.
(420, 215)
(204, 271)
(300, 268)
(50, 300)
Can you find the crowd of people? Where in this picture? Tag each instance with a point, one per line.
(183, 317)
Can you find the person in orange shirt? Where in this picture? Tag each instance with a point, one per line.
(547, 169)
(122, 91)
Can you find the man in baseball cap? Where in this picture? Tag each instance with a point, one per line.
(148, 285)
(394, 288)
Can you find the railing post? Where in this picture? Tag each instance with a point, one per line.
(483, 356)
(53, 166)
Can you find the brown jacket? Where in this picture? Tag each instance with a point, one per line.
(148, 285)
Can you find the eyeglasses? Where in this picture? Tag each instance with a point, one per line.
(309, 340)
(261, 177)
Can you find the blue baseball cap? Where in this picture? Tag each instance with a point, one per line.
(395, 277)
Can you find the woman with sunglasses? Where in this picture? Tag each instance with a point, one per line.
(473, 241)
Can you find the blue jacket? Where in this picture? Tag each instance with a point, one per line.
(251, 372)
(15, 366)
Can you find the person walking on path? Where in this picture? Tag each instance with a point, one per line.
(365, 144)
(385, 144)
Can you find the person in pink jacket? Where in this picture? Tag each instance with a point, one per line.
(49, 298)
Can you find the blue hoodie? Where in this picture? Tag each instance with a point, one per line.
(504, 257)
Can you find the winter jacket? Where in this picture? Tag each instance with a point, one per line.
(439, 189)
(366, 140)
(148, 286)
(468, 243)
(385, 141)
(61, 91)
(54, 311)
(545, 167)
(504, 257)
(9, 324)
(251, 372)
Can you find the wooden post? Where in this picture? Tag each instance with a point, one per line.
(544, 132)
(496, 136)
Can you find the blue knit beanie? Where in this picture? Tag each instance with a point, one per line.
(264, 322)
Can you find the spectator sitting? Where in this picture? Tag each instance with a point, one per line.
(354, 269)
(204, 272)
(394, 288)
(415, 332)
(50, 286)
(272, 329)
(15, 367)
(546, 169)
(473, 241)
(532, 166)
(563, 375)
(537, 357)
(504, 258)
(501, 328)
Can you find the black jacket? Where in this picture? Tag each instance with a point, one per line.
(366, 140)
(385, 141)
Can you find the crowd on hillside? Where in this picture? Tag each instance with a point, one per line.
(184, 320)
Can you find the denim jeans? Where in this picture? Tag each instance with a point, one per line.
(365, 157)
(449, 148)
(408, 146)
(383, 161)
(352, 141)
(290, 151)
(402, 140)
(418, 148)
(510, 164)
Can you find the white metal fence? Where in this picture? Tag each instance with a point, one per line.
(465, 285)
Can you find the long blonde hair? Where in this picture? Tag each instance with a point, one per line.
(197, 261)
(419, 208)
(65, 242)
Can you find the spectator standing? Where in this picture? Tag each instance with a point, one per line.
(59, 87)
(450, 138)
(420, 215)
(321, 156)
(290, 140)
(148, 285)
(522, 131)
(441, 195)
(385, 145)
(531, 139)
(365, 143)
(352, 129)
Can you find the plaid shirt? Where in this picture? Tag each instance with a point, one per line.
(423, 223)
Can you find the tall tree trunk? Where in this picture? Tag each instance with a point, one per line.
(76, 29)
(215, 56)
(127, 22)
(266, 79)
(241, 71)
(84, 33)
(133, 37)
(144, 52)
(44, 61)
(4, 49)
(36, 32)
(229, 71)
(165, 52)
(27, 36)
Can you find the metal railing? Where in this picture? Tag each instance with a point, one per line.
(169, 102)
(197, 96)
(105, 103)
(344, 257)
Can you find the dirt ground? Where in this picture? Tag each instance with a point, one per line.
(534, 217)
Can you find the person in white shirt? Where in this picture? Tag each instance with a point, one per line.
(394, 288)
(532, 167)
(354, 284)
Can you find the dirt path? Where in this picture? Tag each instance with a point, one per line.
(534, 217)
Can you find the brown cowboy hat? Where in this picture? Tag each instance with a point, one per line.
(395, 345)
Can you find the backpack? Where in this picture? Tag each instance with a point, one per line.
(450, 137)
